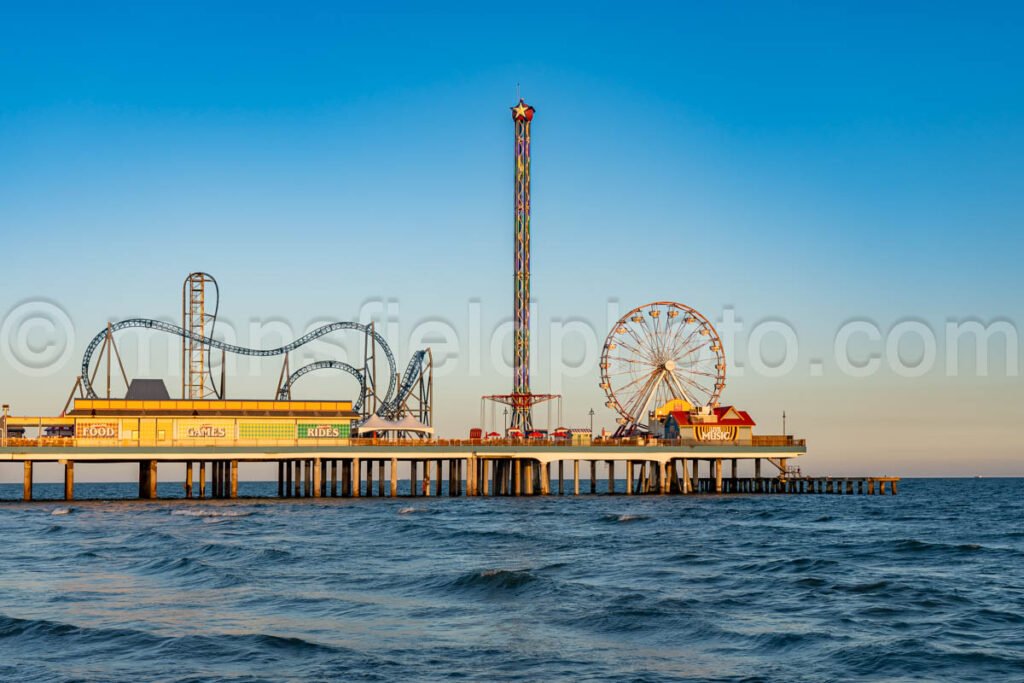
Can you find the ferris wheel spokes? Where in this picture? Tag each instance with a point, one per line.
(658, 353)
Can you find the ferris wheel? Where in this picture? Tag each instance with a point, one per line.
(657, 353)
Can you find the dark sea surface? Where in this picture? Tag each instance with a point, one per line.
(926, 585)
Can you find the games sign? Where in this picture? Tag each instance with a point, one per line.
(204, 430)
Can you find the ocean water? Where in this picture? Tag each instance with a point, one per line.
(924, 586)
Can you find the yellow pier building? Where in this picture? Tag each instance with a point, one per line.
(121, 423)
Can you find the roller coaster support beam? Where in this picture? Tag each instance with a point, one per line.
(370, 404)
(81, 394)
(285, 372)
(107, 350)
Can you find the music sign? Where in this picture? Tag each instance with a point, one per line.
(715, 433)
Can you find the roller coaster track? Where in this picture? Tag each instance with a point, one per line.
(160, 326)
(286, 389)
(392, 409)
(388, 409)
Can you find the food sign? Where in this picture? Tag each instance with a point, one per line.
(96, 430)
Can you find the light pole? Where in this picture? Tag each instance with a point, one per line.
(591, 423)
(506, 422)
(783, 422)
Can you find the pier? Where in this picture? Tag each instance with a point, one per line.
(662, 372)
(367, 468)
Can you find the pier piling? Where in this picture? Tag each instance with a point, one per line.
(69, 480)
(26, 490)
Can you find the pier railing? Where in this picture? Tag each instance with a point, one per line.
(71, 442)
(776, 440)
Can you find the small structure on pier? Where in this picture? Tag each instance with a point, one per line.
(719, 424)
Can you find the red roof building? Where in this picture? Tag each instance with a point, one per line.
(718, 424)
(722, 415)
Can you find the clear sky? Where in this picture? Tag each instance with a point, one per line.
(809, 164)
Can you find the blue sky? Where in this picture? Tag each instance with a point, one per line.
(812, 163)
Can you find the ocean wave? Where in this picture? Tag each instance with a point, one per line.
(779, 642)
(211, 513)
(496, 579)
(624, 517)
(189, 571)
(881, 586)
(988, 616)
(62, 511)
(633, 612)
(793, 564)
(811, 582)
(274, 554)
(923, 656)
(43, 633)
(913, 545)
(494, 535)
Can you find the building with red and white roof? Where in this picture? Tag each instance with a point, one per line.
(715, 424)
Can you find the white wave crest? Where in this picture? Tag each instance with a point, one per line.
(211, 513)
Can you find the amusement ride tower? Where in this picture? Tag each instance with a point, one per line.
(522, 115)
(197, 319)
(521, 400)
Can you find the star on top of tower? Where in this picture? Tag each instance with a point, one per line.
(522, 112)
